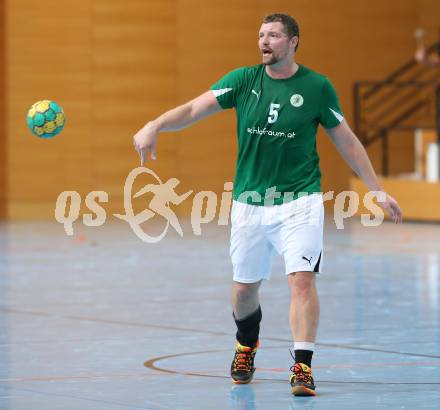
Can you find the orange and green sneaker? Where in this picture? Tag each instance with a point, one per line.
(301, 380)
(242, 367)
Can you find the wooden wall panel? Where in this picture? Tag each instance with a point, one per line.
(3, 164)
(134, 80)
(49, 57)
(114, 65)
(409, 194)
(429, 20)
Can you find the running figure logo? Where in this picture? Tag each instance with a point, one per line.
(164, 194)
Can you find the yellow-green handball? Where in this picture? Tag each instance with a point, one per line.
(45, 119)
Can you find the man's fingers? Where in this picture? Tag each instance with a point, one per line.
(393, 210)
(144, 143)
(395, 213)
(398, 215)
(142, 154)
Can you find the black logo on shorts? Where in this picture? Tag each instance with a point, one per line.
(308, 260)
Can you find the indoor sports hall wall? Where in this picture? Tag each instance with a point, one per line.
(114, 64)
(2, 114)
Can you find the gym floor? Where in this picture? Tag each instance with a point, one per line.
(102, 320)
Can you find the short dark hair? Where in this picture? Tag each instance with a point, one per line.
(290, 25)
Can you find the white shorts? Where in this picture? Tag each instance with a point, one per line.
(294, 230)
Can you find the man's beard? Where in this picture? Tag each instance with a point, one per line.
(273, 60)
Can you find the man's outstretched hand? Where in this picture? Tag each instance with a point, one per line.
(392, 208)
(145, 140)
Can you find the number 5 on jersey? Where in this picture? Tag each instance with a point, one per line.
(273, 113)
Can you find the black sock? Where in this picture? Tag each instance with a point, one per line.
(304, 356)
(248, 328)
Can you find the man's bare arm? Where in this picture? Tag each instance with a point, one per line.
(355, 155)
(173, 120)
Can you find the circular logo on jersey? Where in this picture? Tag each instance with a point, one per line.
(297, 100)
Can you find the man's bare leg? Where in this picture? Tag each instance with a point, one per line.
(304, 306)
(245, 299)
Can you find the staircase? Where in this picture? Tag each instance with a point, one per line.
(406, 100)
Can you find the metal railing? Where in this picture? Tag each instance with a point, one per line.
(407, 99)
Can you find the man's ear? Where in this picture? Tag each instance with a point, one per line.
(295, 41)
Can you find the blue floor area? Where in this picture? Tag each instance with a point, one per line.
(102, 320)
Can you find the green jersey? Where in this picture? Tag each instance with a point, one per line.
(277, 121)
